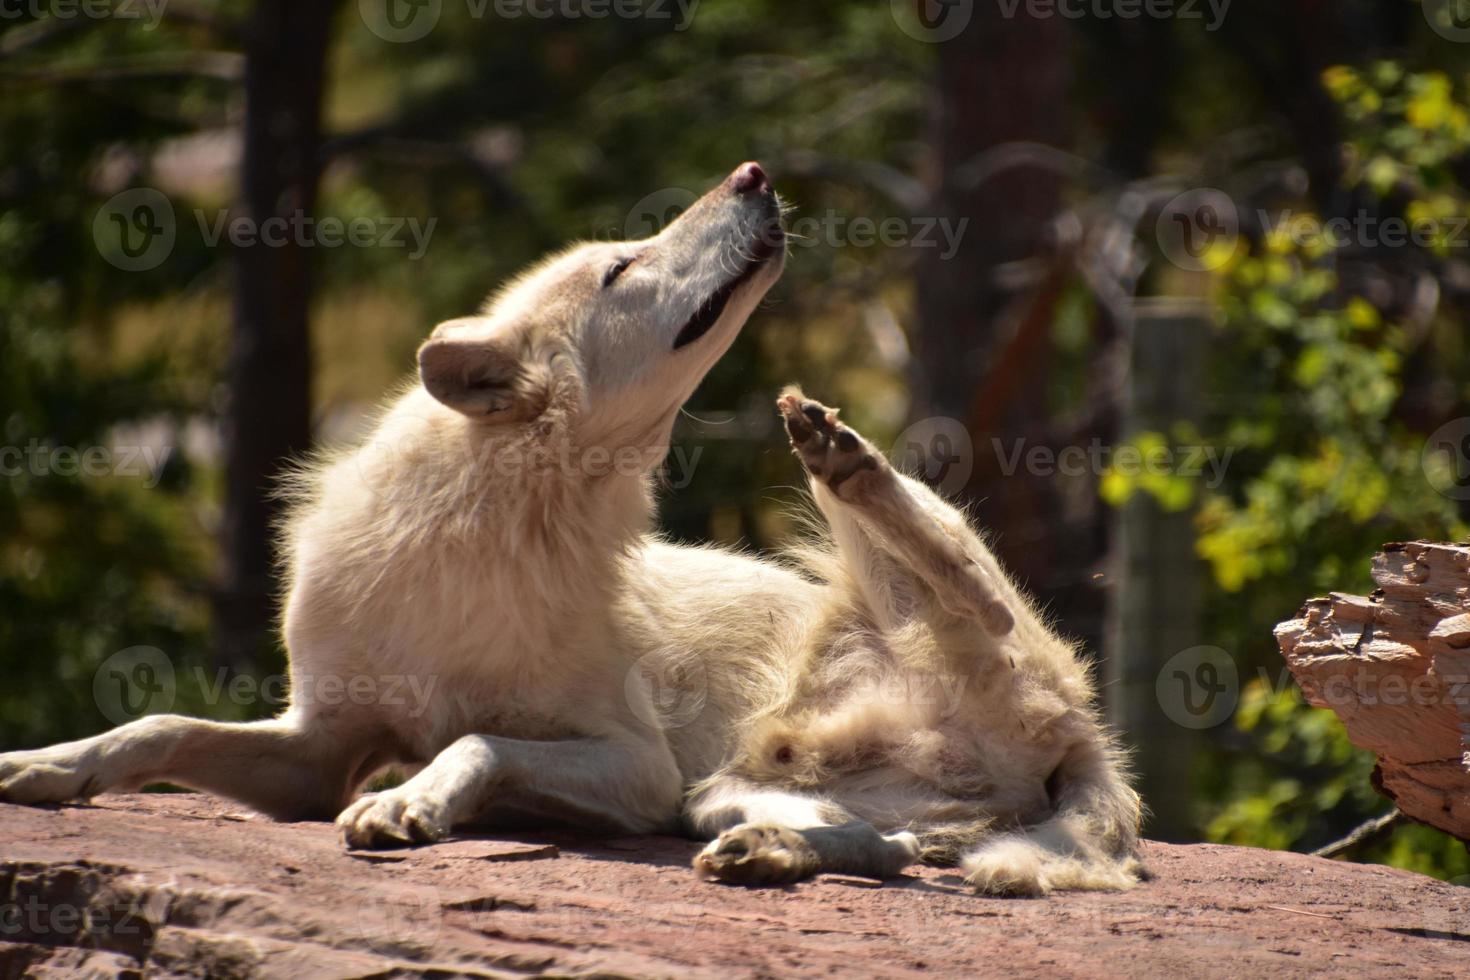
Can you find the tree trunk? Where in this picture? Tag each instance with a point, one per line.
(267, 420)
(1395, 667)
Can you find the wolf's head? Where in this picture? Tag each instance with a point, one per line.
(612, 338)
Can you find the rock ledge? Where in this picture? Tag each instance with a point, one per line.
(185, 885)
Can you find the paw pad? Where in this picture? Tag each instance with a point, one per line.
(831, 452)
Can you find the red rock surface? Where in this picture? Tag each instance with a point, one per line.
(187, 886)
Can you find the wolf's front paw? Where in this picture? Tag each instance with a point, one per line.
(45, 776)
(831, 452)
(394, 818)
(758, 855)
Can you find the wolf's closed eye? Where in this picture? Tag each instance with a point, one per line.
(612, 274)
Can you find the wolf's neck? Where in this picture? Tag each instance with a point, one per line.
(551, 522)
(577, 522)
(562, 524)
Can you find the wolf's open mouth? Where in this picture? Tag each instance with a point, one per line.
(770, 241)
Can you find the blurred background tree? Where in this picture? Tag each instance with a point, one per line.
(1054, 150)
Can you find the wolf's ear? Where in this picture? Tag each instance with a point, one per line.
(478, 376)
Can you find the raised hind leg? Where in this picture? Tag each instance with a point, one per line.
(893, 530)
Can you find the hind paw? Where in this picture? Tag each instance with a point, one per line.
(758, 855)
(830, 451)
(1002, 881)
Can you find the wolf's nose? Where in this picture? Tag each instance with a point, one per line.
(750, 178)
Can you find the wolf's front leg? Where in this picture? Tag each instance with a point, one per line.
(291, 768)
(632, 785)
(853, 482)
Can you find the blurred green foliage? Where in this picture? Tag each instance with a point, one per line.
(1325, 470)
(1336, 471)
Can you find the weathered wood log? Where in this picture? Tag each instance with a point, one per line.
(1395, 667)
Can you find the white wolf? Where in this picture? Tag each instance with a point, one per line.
(493, 536)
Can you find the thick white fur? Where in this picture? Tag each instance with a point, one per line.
(886, 693)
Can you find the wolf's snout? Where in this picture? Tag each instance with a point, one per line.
(750, 178)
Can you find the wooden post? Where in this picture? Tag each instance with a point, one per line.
(1155, 613)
